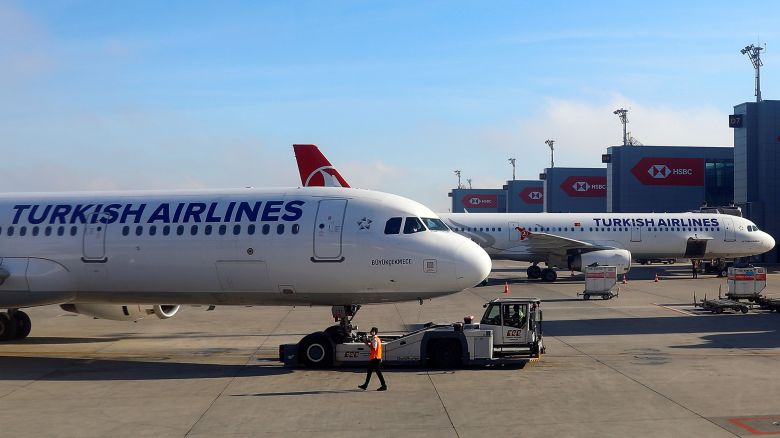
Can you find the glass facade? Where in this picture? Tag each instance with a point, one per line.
(719, 182)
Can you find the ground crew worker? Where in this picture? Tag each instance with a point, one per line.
(375, 360)
(695, 268)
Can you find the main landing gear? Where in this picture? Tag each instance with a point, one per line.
(316, 350)
(14, 324)
(547, 275)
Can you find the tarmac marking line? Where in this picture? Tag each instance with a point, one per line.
(238, 372)
(741, 422)
(442, 404)
(646, 386)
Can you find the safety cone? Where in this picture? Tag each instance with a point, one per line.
(656, 277)
(625, 279)
(506, 287)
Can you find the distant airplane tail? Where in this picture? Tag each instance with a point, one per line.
(315, 169)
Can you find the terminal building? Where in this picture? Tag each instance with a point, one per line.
(524, 196)
(756, 159)
(574, 189)
(668, 178)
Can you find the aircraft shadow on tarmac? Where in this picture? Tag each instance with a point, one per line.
(67, 369)
(50, 340)
(719, 331)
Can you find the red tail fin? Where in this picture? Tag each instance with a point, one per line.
(315, 169)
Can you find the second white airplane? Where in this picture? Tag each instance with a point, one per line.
(576, 240)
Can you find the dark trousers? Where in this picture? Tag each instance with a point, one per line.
(375, 365)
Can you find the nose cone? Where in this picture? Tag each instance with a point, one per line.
(472, 265)
(768, 242)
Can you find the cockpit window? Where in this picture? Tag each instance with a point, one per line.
(435, 224)
(752, 228)
(393, 225)
(413, 225)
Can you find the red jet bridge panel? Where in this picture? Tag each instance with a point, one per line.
(658, 171)
(585, 186)
(475, 200)
(532, 195)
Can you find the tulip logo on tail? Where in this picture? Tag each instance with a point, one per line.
(585, 186)
(524, 234)
(480, 201)
(325, 176)
(532, 195)
(659, 171)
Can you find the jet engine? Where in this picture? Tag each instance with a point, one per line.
(127, 312)
(605, 257)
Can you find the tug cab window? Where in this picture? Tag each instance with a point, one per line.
(393, 225)
(435, 224)
(514, 315)
(413, 225)
(492, 315)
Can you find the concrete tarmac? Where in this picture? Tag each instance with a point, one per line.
(643, 364)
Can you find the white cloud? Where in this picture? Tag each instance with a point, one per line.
(24, 45)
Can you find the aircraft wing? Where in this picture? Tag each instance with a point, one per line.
(545, 243)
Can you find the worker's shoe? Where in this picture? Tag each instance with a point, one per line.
(382, 388)
(363, 387)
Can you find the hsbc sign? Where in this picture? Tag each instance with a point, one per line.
(532, 195)
(479, 201)
(670, 171)
(585, 186)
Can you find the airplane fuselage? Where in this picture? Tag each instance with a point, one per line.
(645, 235)
(239, 247)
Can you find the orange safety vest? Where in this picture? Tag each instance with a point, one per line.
(376, 353)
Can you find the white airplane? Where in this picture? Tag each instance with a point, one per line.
(576, 240)
(96, 252)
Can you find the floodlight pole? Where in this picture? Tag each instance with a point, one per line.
(550, 143)
(622, 113)
(754, 53)
(468, 180)
(457, 172)
(512, 162)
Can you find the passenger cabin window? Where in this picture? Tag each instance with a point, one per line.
(393, 225)
(413, 225)
(435, 224)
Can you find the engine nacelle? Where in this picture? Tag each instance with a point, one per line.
(620, 258)
(129, 312)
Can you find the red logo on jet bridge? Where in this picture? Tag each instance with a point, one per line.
(659, 171)
(480, 201)
(532, 195)
(585, 186)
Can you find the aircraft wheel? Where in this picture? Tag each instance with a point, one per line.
(7, 327)
(316, 350)
(534, 271)
(23, 324)
(549, 275)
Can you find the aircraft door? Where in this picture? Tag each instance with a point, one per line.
(94, 243)
(636, 234)
(728, 225)
(328, 229)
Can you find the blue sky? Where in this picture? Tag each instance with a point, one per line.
(122, 95)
